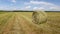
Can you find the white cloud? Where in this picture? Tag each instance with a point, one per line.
(41, 8)
(8, 8)
(27, 7)
(39, 2)
(54, 8)
(35, 8)
(38, 8)
(45, 5)
(14, 1)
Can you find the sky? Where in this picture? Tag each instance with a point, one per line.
(50, 5)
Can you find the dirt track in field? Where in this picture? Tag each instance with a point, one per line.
(18, 24)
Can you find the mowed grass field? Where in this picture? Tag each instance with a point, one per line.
(21, 23)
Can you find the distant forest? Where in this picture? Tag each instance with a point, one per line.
(24, 11)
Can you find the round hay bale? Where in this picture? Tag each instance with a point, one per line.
(39, 17)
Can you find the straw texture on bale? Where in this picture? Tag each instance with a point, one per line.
(39, 17)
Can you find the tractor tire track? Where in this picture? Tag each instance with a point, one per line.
(16, 29)
(8, 25)
(28, 28)
(3, 22)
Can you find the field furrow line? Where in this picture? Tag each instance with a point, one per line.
(27, 27)
(4, 22)
(16, 29)
(8, 26)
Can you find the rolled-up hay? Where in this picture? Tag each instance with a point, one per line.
(39, 17)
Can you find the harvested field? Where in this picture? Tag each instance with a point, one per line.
(21, 23)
